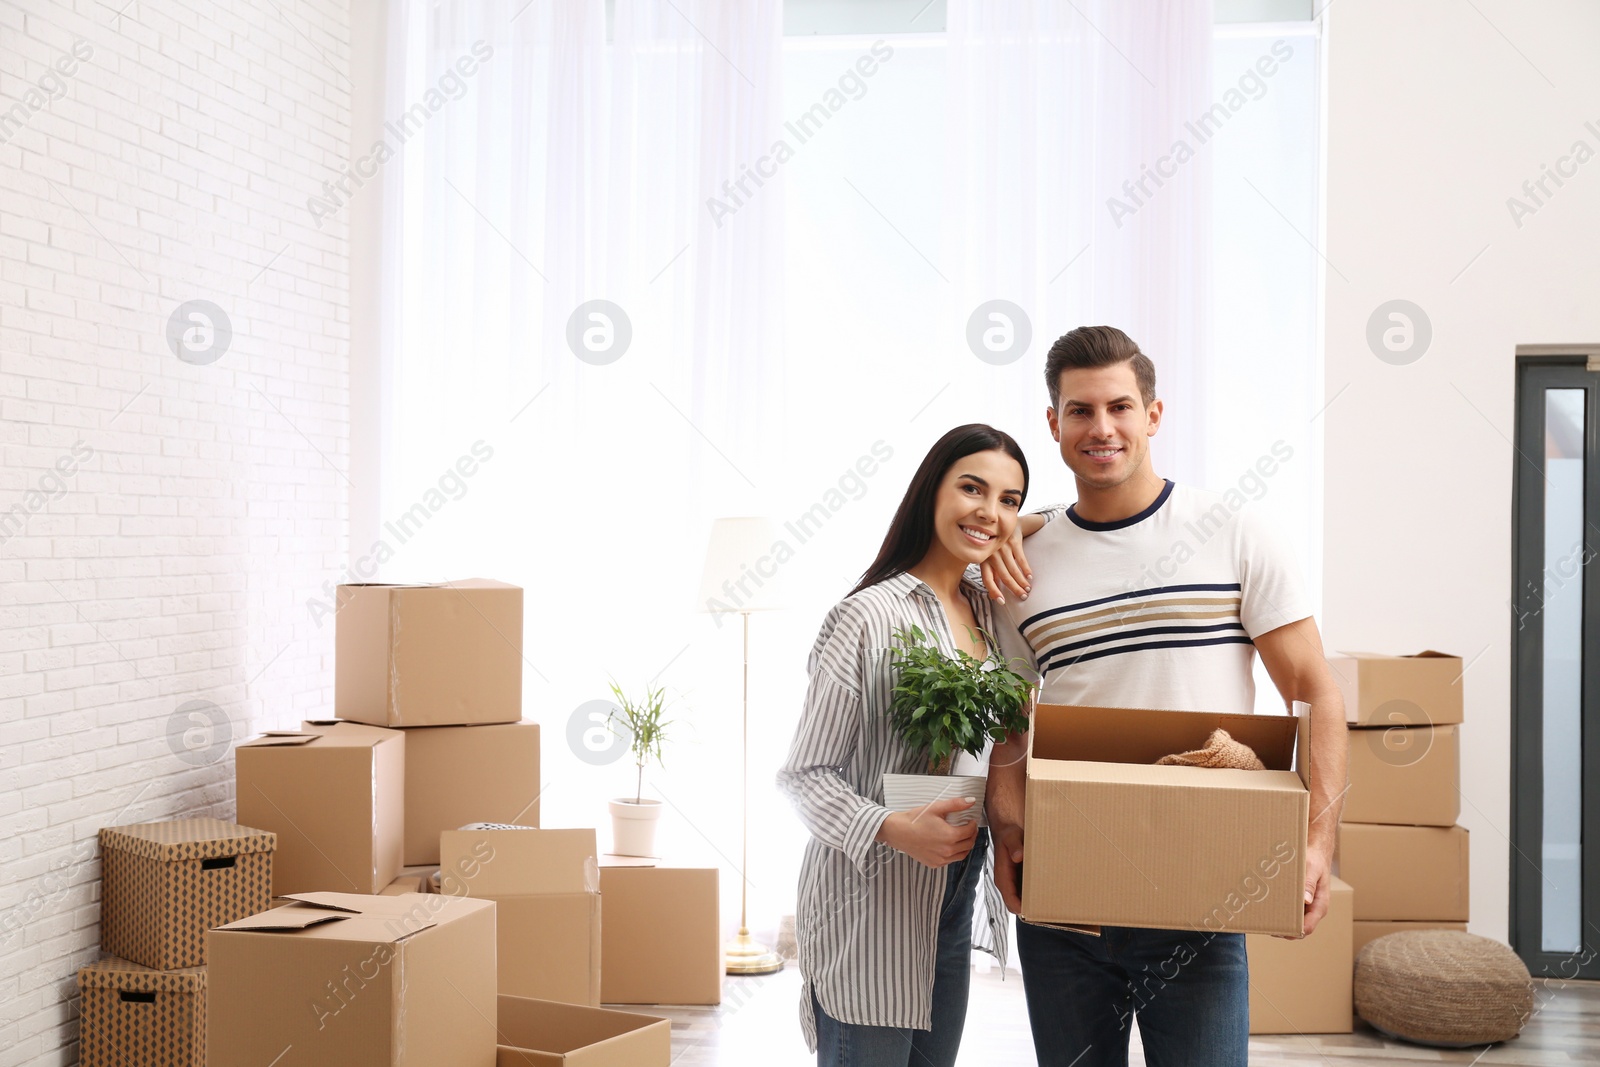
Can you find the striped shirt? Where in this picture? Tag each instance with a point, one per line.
(867, 921)
(1158, 610)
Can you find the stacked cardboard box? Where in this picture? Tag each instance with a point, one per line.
(1398, 842)
(1305, 986)
(428, 689)
(165, 885)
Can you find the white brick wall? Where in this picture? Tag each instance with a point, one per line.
(196, 507)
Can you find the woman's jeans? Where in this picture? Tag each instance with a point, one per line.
(1189, 989)
(852, 1045)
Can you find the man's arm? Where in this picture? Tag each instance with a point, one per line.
(1293, 657)
(1004, 798)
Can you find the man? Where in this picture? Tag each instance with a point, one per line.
(1147, 594)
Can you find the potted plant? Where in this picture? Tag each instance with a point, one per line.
(633, 819)
(942, 706)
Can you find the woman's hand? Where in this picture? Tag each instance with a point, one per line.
(1007, 567)
(924, 835)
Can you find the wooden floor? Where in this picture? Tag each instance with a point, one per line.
(757, 1025)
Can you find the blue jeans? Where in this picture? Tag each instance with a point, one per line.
(1189, 989)
(853, 1045)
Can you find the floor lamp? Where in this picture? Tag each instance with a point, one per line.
(734, 582)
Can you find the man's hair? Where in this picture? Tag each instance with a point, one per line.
(1097, 346)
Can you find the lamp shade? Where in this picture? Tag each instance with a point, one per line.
(745, 561)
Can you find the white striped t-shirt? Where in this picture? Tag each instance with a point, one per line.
(1157, 610)
(867, 920)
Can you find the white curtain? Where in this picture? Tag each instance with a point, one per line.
(798, 320)
(1067, 193)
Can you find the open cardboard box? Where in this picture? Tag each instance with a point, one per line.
(541, 1033)
(1111, 839)
(355, 980)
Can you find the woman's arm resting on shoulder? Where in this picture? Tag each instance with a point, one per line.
(1007, 569)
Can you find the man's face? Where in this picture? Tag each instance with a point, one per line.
(1102, 425)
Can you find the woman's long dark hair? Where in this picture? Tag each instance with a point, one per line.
(911, 532)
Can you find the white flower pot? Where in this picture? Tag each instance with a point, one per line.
(902, 792)
(633, 827)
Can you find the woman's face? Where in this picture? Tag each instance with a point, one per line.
(976, 509)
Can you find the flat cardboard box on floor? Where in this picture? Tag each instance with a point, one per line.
(661, 941)
(457, 775)
(166, 883)
(542, 1033)
(335, 798)
(1114, 840)
(1369, 930)
(1417, 690)
(1405, 872)
(358, 981)
(428, 655)
(1404, 775)
(1305, 986)
(546, 887)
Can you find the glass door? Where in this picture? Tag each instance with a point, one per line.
(1555, 893)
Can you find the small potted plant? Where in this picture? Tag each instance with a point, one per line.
(942, 706)
(633, 819)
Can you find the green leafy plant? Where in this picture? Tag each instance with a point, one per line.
(646, 728)
(942, 705)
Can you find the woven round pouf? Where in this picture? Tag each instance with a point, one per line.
(1443, 987)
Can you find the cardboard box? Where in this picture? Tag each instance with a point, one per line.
(133, 1014)
(540, 1033)
(167, 883)
(1404, 775)
(1305, 987)
(1368, 930)
(428, 655)
(662, 941)
(359, 981)
(335, 796)
(1114, 840)
(406, 883)
(547, 889)
(457, 775)
(1418, 690)
(1405, 872)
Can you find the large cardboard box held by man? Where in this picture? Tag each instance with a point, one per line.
(1404, 775)
(1418, 690)
(546, 888)
(661, 940)
(1305, 986)
(1114, 840)
(428, 655)
(359, 981)
(335, 797)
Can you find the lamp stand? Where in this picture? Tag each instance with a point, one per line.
(744, 954)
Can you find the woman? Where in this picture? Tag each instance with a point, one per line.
(884, 924)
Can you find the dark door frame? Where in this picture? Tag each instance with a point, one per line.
(1541, 367)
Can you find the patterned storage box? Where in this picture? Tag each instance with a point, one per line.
(167, 883)
(136, 1015)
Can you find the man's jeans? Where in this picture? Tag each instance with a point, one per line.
(1190, 991)
(852, 1045)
